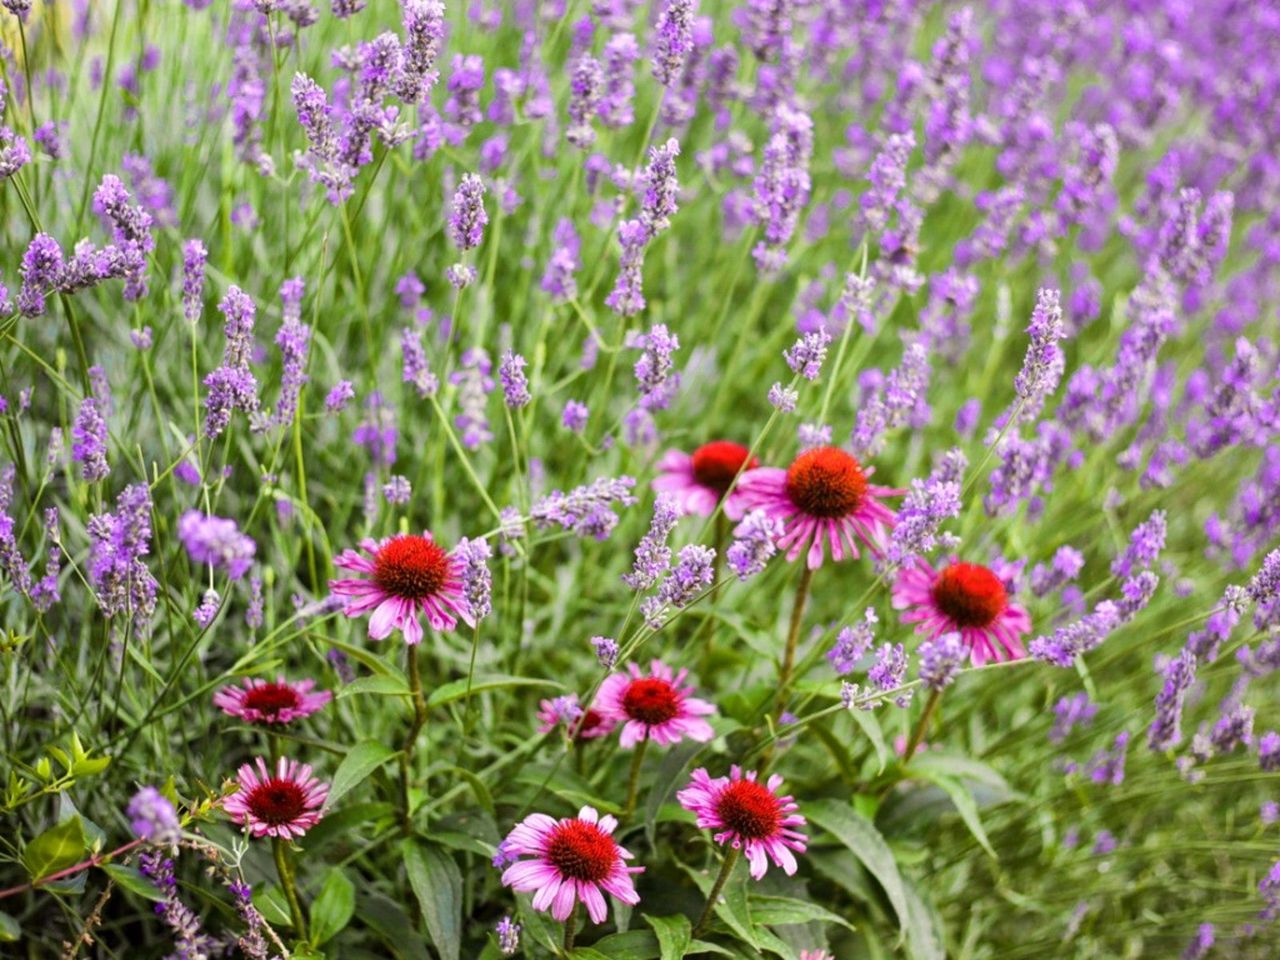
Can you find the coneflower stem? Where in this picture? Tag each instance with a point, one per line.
(411, 741)
(726, 868)
(793, 636)
(570, 929)
(917, 735)
(280, 847)
(633, 781)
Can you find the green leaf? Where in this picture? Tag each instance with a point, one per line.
(965, 805)
(732, 907)
(133, 881)
(376, 686)
(674, 935)
(962, 768)
(864, 841)
(672, 770)
(536, 928)
(392, 924)
(9, 929)
(437, 883)
(925, 940)
(457, 689)
(482, 794)
(56, 849)
(870, 725)
(364, 758)
(782, 911)
(270, 901)
(643, 945)
(333, 907)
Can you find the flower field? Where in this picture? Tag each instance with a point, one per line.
(640, 480)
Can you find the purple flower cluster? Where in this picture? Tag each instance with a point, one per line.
(218, 542)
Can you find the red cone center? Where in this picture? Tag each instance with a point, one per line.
(582, 851)
(410, 566)
(826, 482)
(750, 810)
(651, 700)
(277, 801)
(716, 464)
(590, 722)
(271, 698)
(970, 595)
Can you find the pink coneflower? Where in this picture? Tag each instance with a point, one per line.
(407, 574)
(573, 859)
(967, 599)
(284, 804)
(823, 497)
(266, 702)
(566, 710)
(748, 815)
(657, 707)
(699, 480)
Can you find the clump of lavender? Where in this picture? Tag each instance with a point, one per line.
(474, 386)
(294, 341)
(89, 436)
(467, 220)
(672, 40)
(585, 510)
(852, 643)
(652, 555)
(477, 581)
(415, 369)
(587, 87)
(119, 544)
(806, 356)
(655, 371)
(694, 572)
(232, 386)
(152, 817)
(928, 504)
(515, 385)
(782, 185)
(941, 660)
(890, 671)
(754, 545)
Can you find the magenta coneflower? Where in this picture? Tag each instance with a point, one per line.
(657, 707)
(747, 815)
(566, 710)
(267, 702)
(699, 480)
(573, 859)
(823, 497)
(408, 574)
(967, 599)
(284, 804)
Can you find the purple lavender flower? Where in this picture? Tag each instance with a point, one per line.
(941, 660)
(652, 555)
(477, 581)
(616, 109)
(581, 510)
(232, 386)
(606, 650)
(888, 178)
(424, 30)
(755, 542)
(397, 489)
(806, 356)
(415, 369)
(41, 271)
(1145, 544)
(782, 186)
(1269, 751)
(474, 386)
(852, 643)
(1166, 729)
(587, 90)
(1042, 366)
(194, 256)
(694, 572)
(900, 401)
(152, 817)
(627, 297)
(294, 341)
(890, 671)
(661, 189)
(575, 416)
(1107, 766)
(89, 440)
(119, 542)
(655, 374)
(515, 385)
(1200, 944)
(337, 398)
(672, 40)
(218, 542)
(1075, 710)
(508, 932)
(783, 399)
(928, 504)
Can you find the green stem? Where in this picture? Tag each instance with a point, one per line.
(280, 847)
(570, 930)
(471, 672)
(633, 781)
(793, 636)
(726, 868)
(411, 740)
(917, 735)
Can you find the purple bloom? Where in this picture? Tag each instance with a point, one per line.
(755, 542)
(694, 571)
(661, 189)
(583, 510)
(294, 341)
(415, 368)
(575, 416)
(397, 489)
(888, 178)
(782, 185)
(783, 399)
(89, 440)
(655, 373)
(337, 399)
(620, 55)
(474, 385)
(508, 932)
(1166, 728)
(900, 401)
(1144, 546)
(216, 541)
(424, 30)
(852, 643)
(232, 386)
(586, 91)
(194, 256)
(652, 555)
(1042, 366)
(941, 660)
(152, 817)
(1200, 944)
(606, 650)
(890, 671)
(1107, 766)
(1269, 751)
(806, 356)
(928, 504)
(119, 542)
(41, 270)
(1070, 712)
(477, 581)
(672, 40)
(515, 385)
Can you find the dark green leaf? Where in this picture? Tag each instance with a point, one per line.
(672, 770)
(270, 901)
(364, 758)
(863, 840)
(130, 879)
(389, 919)
(674, 935)
(379, 686)
(643, 945)
(333, 907)
(965, 805)
(57, 848)
(9, 929)
(781, 911)
(437, 883)
(457, 689)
